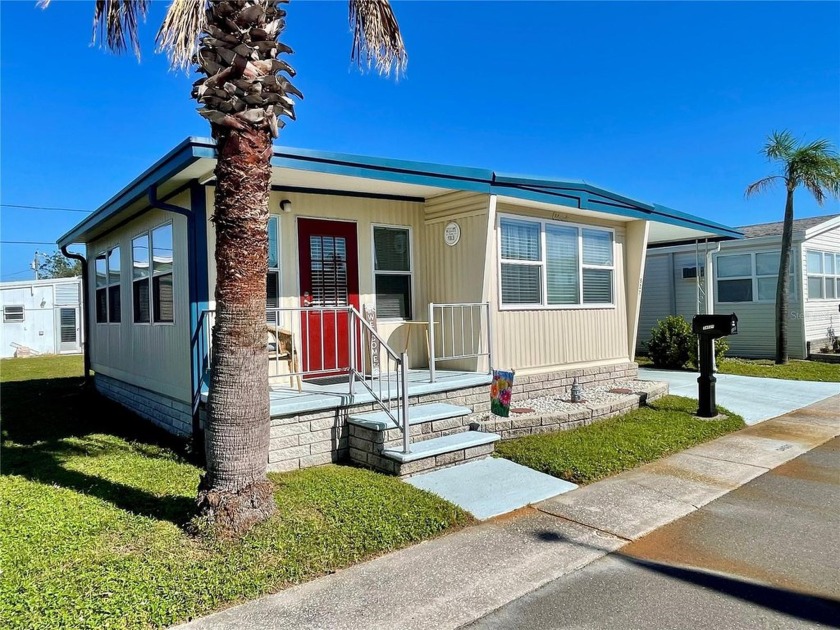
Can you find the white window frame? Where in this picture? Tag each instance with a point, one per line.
(543, 264)
(6, 314)
(107, 286)
(410, 273)
(823, 275)
(147, 279)
(754, 276)
(153, 274)
(279, 223)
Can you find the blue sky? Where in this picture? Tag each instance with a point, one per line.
(665, 102)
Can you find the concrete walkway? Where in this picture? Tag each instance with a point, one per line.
(451, 581)
(753, 398)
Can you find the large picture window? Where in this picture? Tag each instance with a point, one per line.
(750, 277)
(823, 275)
(392, 271)
(163, 296)
(552, 264)
(107, 269)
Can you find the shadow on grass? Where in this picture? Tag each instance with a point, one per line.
(39, 415)
(810, 608)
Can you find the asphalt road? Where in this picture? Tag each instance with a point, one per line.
(766, 555)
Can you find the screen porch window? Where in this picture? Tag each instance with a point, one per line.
(141, 278)
(13, 314)
(823, 275)
(163, 296)
(107, 269)
(392, 270)
(552, 264)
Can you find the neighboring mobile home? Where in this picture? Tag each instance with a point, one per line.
(743, 281)
(41, 317)
(390, 283)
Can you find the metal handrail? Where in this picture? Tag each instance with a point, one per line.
(393, 400)
(480, 345)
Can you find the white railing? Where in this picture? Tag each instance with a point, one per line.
(459, 332)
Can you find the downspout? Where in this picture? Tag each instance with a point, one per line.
(85, 309)
(154, 202)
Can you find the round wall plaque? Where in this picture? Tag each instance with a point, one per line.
(452, 234)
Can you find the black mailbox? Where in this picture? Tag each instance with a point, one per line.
(715, 325)
(708, 328)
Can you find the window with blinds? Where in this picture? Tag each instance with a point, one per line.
(392, 271)
(552, 264)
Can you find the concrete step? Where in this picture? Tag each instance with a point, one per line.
(440, 452)
(417, 414)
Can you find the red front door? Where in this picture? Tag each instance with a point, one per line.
(329, 279)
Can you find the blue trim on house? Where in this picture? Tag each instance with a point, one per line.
(199, 293)
(577, 194)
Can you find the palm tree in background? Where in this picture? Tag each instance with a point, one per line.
(244, 93)
(816, 167)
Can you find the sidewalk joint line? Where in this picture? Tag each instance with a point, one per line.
(731, 461)
(592, 527)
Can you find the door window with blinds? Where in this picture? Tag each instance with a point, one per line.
(328, 260)
(548, 264)
(392, 271)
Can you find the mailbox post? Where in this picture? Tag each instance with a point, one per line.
(708, 328)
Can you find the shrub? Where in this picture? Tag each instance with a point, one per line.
(671, 343)
(721, 346)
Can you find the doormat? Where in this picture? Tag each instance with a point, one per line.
(325, 381)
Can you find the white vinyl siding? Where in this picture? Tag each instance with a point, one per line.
(549, 264)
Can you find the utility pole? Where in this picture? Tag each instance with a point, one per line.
(35, 264)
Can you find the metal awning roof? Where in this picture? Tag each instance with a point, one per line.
(195, 159)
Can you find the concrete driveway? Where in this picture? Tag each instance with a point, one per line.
(755, 399)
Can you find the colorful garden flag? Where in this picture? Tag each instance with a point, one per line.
(501, 391)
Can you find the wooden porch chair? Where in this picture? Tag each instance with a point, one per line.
(281, 345)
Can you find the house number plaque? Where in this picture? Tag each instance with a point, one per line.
(452, 234)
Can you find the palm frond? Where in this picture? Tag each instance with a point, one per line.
(761, 185)
(116, 21)
(779, 146)
(376, 36)
(178, 35)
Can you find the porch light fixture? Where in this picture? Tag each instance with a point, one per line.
(286, 205)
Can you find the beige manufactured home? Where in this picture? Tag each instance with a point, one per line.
(391, 284)
(742, 279)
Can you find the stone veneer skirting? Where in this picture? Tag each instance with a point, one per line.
(171, 415)
(304, 440)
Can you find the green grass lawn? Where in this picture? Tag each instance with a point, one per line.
(795, 370)
(93, 503)
(610, 446)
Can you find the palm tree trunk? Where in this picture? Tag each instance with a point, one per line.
(235, 493)
(782, 295)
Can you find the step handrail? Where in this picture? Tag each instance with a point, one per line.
(400, 364)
